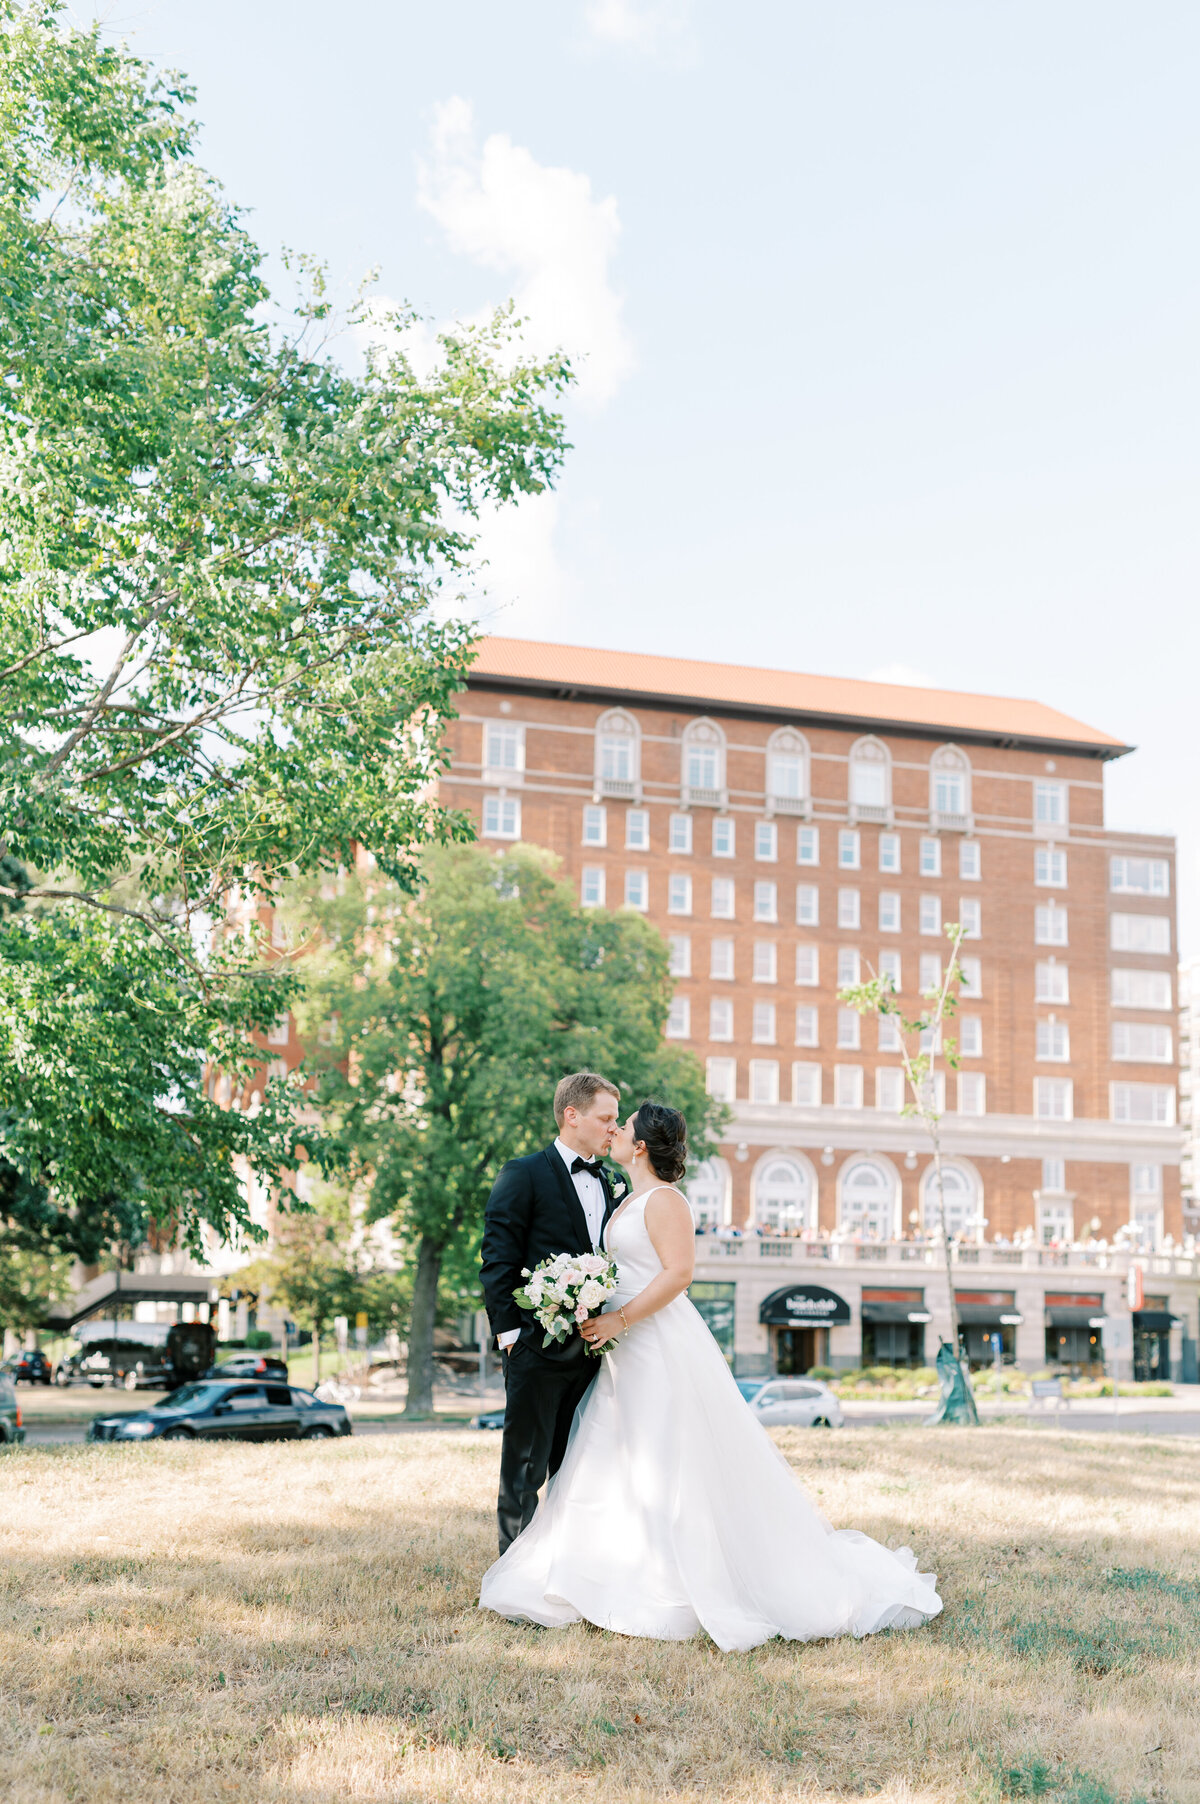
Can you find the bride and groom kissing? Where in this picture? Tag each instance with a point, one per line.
(667, 1509)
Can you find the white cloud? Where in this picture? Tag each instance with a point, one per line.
(649, 27)
(544, 230)
(902, 673)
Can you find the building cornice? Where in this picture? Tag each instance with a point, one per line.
(968, 1136)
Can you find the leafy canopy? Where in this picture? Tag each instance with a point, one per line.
(219, 659)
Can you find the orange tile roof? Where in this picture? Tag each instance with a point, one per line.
(527, 661)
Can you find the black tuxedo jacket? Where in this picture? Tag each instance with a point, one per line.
(532, 1213)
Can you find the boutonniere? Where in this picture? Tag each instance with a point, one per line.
(618, 1188)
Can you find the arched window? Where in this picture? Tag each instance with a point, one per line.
(950, 788)
(961, 1196)
(703, 765)
(708, 1193)
(870, 781)
(618, 756)
(788, 787)
(785, 1194)
(867, 1201)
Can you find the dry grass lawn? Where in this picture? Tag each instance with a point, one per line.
(297, 1623)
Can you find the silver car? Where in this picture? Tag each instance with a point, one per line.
(797, 1403)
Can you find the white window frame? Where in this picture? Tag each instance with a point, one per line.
(637, 829)
(679, 893)
(766, 842)
(889, 853)
(970, 917)
(703, 739)
(970, 861)
(1125, 1038)
(595, 816)
(849, 849)
(720, 1019)
(504, 736)
(930, 973)
(496, 825)
(724, 836)
(1050, 867)
(808, 1024)
(808, 966)
(1051, 804)
(849, 909)
(721, 957)
(788, 766)
(970, 1036)
(1126, 930)
(929, 915)
(1142, 1103)
(679, 1019)
(1142, 989)
(889, 911)
(720, 1079)
(806, 1084)
(765, 966)
(808, 846)
(764, 1082)
(1122, 874)
(849, 966)
(889, 1089)
(679, 954)
(592, 886)
(679, 835)
(950, 781)
(972, 1093)
(720, 895)
(1053, 1090)
(849, 1030)
(869, 781)
(1051, 981)
(808, 905)
(617, 768)
(763, 1024)
(1050, 924)
(889, 964)
(766, 900)
(889, 1036)
(929, 858)
(1052, 1041)
(848, 1087)
(637, 891)
(971, 986)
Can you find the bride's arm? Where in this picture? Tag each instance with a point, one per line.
(673, 1235)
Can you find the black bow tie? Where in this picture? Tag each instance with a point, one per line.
(587, 1165)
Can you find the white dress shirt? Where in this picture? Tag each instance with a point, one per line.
(590, 1192)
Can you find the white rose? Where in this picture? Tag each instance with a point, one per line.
(592, 1294)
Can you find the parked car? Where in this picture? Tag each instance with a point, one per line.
(750, 1387)
(30, 1366)
(491, 1418)
(249, 1365)
(797, 1403)
(11, 1431)
(209, 1410)
(139, 1356)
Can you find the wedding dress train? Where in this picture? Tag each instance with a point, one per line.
(674, 1511)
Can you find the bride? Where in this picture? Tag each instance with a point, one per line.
(673, 1511)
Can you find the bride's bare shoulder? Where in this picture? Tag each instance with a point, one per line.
(666, 1201)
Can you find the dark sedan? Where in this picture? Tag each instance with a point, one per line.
(211, 1410)
(30, 1366)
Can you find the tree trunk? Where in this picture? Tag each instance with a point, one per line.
(420, 1329)
(316, 1347)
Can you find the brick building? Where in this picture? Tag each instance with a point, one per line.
(786, 833)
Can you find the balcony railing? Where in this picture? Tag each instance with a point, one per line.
(870, 814)
(942, 820)
(696, 797)
(801, 805)
(753, 1250)
(619, 789)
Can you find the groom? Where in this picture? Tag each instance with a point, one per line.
(554, 1201)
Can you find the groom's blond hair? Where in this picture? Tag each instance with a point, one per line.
(579, 1091)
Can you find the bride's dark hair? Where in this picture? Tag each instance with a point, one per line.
(664, 1132)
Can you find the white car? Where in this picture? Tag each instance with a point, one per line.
(797, 1403)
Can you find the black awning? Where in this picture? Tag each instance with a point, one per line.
(1154, 1321)
(803, 1306)
(984, 1315)
(1074, 1317)
(891, 1312)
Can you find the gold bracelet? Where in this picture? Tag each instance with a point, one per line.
(625, 1319)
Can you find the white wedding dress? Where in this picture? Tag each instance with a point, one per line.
(674, 1511)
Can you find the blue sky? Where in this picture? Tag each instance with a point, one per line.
(886, 310)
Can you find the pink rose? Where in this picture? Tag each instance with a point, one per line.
(581, 1314)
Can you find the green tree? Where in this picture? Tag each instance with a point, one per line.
(440, 1025)
(219, 659)
(313, 1269)
(29, 1284)
(922, 1040)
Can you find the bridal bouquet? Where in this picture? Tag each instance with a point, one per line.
(566, 1290)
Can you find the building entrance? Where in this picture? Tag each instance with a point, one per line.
(798, 1350)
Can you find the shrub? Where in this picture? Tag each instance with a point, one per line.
(258, 1339)
(823, 1373)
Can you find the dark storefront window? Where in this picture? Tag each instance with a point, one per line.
(715, 1303)
(987, 1322)
(1071, 1339)
(889, 1338)
(1152, 1340)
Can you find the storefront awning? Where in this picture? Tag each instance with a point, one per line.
(1072, 1318)
(803, 1306)
(1154, 1321)
(894, 1312)
(985, 1315)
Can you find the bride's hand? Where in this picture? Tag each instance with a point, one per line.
(601, 1328)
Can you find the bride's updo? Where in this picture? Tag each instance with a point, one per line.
(664, 1132)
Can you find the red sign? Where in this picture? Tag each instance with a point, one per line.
(1073, 1299)
(1135, 1287)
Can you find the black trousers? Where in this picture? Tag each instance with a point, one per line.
(541, 1398)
